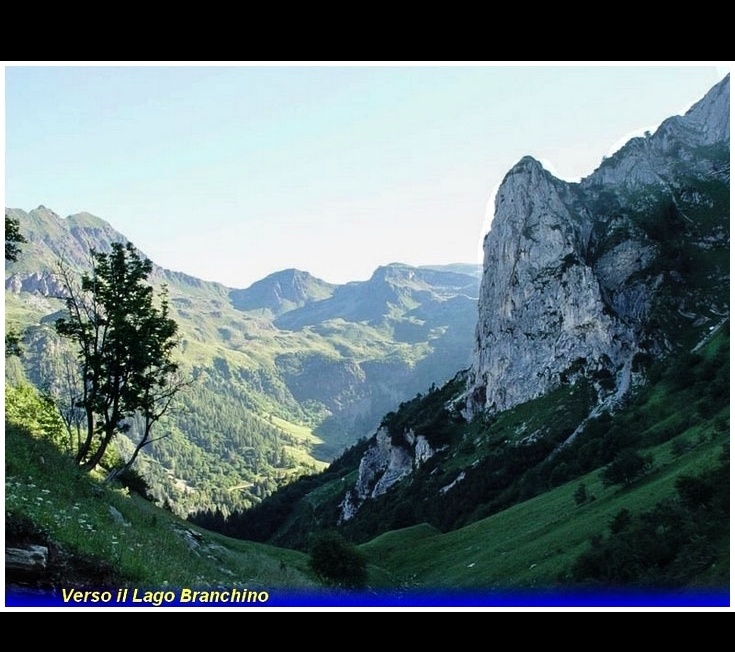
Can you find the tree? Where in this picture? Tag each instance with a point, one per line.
(13, 238)
(580, 494)
(125, 346)
(337, 562)
(620, 521)
(13, 346)
(626, 468)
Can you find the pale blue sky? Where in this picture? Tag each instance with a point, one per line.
(231, 172)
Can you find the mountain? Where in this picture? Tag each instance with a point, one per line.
(593, 281)
(282, 292)
(602, 332)
(590, 278)
(287, 372)
(397, 297)
(592, 470)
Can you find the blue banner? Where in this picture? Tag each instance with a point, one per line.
(186, 597)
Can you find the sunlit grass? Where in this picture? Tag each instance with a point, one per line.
(145, 545)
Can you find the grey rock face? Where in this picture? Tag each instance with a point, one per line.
(44, 284)
(383, 465)
(541, 306)
(25, 562)
(571, 271)
(580, 278)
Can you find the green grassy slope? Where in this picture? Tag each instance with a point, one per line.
(102, 535)
(267, 404)
(535, 543)
(514, 521)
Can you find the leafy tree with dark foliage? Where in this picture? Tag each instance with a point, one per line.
(671, 545)
(125, 346)
(12, 344)
(580, 494)
(626, 468)
(337, 562)
(13, 238)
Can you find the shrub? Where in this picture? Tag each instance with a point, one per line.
(134, 481)
(337, 562)
(580, 495)
(626, 468)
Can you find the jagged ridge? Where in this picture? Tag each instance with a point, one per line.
(591, 280)
(574, 273)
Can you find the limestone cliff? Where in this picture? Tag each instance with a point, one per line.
(579, 278)
(593, 280)
(384, 464)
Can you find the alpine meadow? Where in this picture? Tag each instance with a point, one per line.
(549, 428)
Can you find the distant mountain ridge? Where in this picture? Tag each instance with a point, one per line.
(282, 292)
(325, 359)
(394, 289)
(51, 239)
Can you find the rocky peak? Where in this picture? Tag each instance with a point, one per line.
(540, 309)
(580, 278)
(710, 117)
(653, 160)
(572, 272)
(281, 292)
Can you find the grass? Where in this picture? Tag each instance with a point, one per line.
(130, 542)
(531, 545)
(139, 543)
(306, 439)
(122, 540)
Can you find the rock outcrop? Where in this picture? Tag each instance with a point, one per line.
(577, 276)
(593, 280)
(384, 464)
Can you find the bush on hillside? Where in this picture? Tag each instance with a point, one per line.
(626, 468)
(337, 562)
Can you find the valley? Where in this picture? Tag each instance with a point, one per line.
(551, 427)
